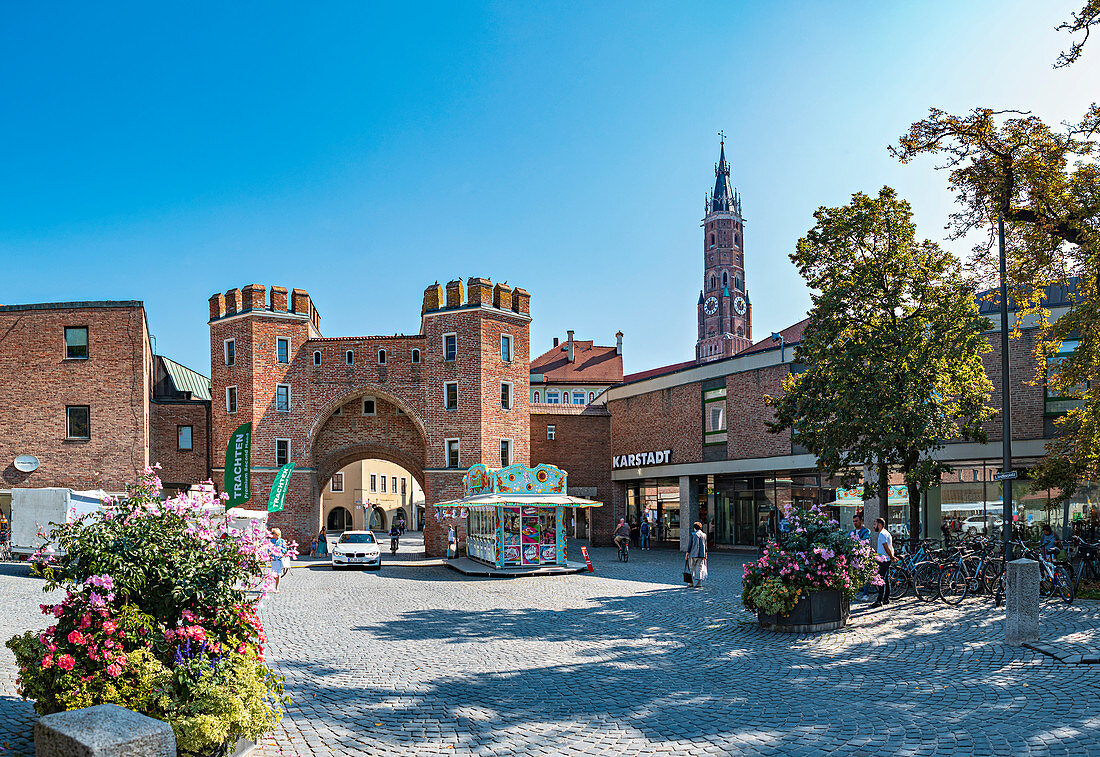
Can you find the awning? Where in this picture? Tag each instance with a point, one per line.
(520, 499)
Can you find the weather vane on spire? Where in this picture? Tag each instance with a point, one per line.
(722, 134)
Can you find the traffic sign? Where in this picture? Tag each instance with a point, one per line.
(1003, 476)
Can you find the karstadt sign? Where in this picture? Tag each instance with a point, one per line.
(639, 459)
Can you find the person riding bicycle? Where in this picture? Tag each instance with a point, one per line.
(622, 534)
(395, 535)
(1049, 543)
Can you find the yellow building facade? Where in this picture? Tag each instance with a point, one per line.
(371, 495)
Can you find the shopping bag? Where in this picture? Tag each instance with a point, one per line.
(687, 572)
(703, 572)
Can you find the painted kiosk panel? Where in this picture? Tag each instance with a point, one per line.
(517, 515)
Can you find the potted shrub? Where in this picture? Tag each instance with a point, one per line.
(805, 582)
(159, 617)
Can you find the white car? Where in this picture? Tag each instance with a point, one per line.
(976, 524)
(356, 548)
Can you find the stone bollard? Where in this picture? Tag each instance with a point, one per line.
(105, 730)
(1022, 594)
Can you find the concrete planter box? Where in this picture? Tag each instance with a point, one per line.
(816, 611)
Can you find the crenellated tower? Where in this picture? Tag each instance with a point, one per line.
(725, 313)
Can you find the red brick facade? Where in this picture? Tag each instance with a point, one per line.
(179, 468)
(582, 447)
(747, 435)
(663, 419)
(39, 382)
(412, 422)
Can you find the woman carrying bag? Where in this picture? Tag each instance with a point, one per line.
(695, 562)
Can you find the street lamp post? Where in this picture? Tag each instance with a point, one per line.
(1006, 403)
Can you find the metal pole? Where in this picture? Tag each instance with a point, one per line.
(1006, 403)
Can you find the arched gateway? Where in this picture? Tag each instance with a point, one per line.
(429, 402)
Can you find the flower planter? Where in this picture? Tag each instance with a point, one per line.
(815, 612)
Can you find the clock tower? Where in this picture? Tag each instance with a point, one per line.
(725, 314)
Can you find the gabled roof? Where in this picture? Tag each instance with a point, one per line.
(186, 380)
(591, 364)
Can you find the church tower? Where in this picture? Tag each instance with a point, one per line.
(725, 314)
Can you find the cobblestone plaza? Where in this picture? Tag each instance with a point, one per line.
(418, 660)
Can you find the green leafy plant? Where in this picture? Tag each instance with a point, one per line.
(159, 617)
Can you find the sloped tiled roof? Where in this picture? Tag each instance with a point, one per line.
(658, 371)
(791, 335)
(591, 364)
(186, 380)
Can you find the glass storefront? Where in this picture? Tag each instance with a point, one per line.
(657, 501)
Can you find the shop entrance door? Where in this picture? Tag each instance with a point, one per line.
(746, 521)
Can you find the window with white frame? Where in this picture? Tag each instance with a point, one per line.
(714, 415)
(282, 452)
(565, 397)
(382, 357)
(404, 485)
(282, 398)
(374, 482)
(505, 453)
(578, 398)
(450, 447)
(506, 348)
(383, 484)
(551, 432)
(393, 484)
(506, 395)
(537, 395)
(230, 346)
(450, 347)
(370, 407)
(282, 350)
(552, 397)
(231, 399)
(337, 482)
(415, 356)
(78, 422)
(349, 357)
(450, 395)
(316, 357)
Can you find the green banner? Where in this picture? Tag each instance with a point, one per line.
(277, 498)
(238, 463)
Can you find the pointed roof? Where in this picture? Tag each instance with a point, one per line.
(723, 199)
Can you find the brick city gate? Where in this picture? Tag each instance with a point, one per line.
(462, 381)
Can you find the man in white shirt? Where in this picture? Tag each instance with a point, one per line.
(885, 549)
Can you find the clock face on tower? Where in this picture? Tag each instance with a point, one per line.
(710, 307)
(739, 305)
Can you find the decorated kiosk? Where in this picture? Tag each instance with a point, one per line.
(516, 516)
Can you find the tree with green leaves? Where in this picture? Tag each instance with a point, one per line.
(1045, 183)
(1081, 21)
(892, 355)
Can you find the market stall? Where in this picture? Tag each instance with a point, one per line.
(516, 515)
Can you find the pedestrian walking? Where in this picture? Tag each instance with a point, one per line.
(885, 551)
(945, 529)
(278, 553)
(696, 557)
(452, 542)
(634, 533)
(322, 543)
(645, 534)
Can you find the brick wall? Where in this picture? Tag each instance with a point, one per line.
(38, 382)
(746, 414)
(664, 419)
(581, 447)
(181, 467)
(1027, 396)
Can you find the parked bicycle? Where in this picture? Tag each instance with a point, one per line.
(1085, 563)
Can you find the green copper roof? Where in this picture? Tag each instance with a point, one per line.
(187, 380)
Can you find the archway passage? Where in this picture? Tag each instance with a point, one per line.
(376, 493)
(338, 519)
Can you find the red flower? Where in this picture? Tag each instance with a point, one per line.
(66, 662)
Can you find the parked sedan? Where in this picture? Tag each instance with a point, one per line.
(976, 524)
(356, 548)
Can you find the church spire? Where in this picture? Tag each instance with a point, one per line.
(722, 198)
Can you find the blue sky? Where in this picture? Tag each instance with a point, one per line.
(362, 151)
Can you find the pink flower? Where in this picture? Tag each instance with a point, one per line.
(47, 660)
(75, 637)
(109, 627)
(114, 670)
(66, 662)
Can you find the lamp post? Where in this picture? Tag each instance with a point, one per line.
(1006, 404)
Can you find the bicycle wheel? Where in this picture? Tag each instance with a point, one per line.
(1063, 583)
(953, 584)
(926, 581)
(899, 581)
(992, 575)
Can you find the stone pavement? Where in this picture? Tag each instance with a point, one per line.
(419, 660)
